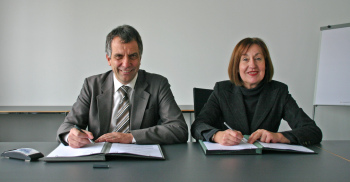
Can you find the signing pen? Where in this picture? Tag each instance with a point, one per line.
(243, 139)
(77, 127)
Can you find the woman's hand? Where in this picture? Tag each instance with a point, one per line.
(228, 137)
(267, 137)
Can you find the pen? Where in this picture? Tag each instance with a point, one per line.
(77, 127)
(243, 139)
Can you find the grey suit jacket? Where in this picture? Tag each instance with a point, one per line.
(275, 103)
(155, 118)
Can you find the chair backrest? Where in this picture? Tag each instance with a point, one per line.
(200, 97)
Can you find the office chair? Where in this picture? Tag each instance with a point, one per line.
(200, 97)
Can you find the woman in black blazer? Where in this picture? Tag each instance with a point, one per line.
(251, 103)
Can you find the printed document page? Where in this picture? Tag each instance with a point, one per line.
(143, 150)
(241, 146)
(283, 146)
(67, 151)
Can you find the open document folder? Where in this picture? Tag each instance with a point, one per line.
(247, 148)
(99, 151)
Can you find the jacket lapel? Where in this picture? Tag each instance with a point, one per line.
(140, 101)
(266, 100)
(235, 102)
(105, 104)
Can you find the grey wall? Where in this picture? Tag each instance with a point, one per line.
(40, 127)
(29, 127)
(48, 47)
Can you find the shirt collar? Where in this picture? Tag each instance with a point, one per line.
(117, 84)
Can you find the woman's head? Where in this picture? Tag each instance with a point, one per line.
(250, 63)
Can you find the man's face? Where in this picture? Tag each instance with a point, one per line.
(125, 60)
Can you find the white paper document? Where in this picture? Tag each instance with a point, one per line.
(144, 150)
(67, 151)
(116, 148)
(241, 146)
(263, 146)
(282, 146)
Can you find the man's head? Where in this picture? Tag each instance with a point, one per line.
(127, 34)
(123, 52)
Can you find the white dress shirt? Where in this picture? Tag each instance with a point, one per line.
(117, 97)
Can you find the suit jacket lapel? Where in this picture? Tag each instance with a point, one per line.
(266, 100)
(235, 102)
(140, 101)
(105, 104)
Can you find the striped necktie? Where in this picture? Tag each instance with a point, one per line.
(123, 120)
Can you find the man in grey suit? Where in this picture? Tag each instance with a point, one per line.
(155, 118)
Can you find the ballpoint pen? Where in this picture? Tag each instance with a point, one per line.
(77, 127)
(243, 139)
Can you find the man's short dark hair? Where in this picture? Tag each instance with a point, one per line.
(127, 34)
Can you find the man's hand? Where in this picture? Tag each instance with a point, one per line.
(77, 139)
(267, 137)
(116, 137)
(228, 137)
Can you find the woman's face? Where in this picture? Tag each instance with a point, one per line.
(252, 67)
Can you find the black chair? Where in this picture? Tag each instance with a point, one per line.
(200, 97)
